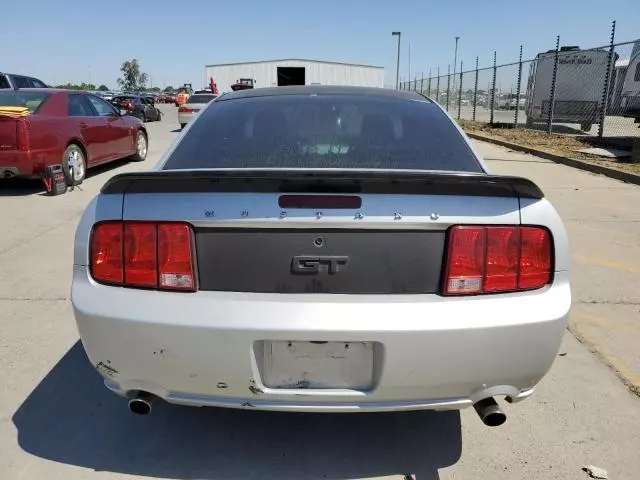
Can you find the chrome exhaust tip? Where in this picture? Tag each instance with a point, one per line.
(141, 404)
(489, 412)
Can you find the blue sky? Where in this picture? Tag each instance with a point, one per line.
(76, 41)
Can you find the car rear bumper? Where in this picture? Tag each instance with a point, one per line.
(184, 118)
(430, 352)
(17, 164)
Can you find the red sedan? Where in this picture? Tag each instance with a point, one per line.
(64, 127)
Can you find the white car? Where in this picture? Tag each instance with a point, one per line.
(322, 249)
(192, 107)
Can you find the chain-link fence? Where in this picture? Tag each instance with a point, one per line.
(563, 90)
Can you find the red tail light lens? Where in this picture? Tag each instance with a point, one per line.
(174, 257)
(535, 258)
(106, 253)
(140, 255)
(501, 271)
(466, 260)
(497, 259)
(185, 110)
(22, 133)
(143, 254)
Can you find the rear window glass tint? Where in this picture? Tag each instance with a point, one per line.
(32, 100)
(200, 98)
(323, 131)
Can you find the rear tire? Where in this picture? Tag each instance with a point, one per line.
(142, 147)
(159, 114)
(74, 152)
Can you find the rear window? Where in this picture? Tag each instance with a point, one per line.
(32, 100)
(200, 98)
(323, 131)
(27, 82)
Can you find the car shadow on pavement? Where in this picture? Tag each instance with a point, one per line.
(71, 418)
(20, 187)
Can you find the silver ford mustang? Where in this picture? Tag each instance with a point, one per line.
(322, 249)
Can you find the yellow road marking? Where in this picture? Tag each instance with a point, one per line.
(605, 322)
(608, 263)
(631, 377)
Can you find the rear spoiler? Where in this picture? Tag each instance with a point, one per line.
(322, 181)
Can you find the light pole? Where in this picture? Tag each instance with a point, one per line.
(455, 61)
(409, 66)
(397, 34)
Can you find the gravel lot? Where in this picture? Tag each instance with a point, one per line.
(58, 422)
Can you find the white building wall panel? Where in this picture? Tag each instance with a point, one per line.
(324, 73)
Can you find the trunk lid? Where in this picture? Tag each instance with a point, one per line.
(275, 232)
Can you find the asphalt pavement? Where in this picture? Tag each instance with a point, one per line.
(57, 421)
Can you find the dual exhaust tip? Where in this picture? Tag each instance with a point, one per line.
(489, 412)
(488, 409)
(142, 403)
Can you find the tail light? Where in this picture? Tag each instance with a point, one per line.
(22, 134)
(497, 259)
(143, 254)
(185, 110)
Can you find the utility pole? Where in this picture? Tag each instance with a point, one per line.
(455, 61)
(397, 34)
(409, 76)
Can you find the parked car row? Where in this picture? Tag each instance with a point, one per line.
(139, 106)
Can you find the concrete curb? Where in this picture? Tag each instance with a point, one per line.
(609, 172)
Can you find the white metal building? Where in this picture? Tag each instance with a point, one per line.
(294, 71)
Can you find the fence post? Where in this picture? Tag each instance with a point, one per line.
(475, 92)
(553, 88)
(460, 92)
(438, 88)
(515, 120)
(429, 84)
(493, 87)
(448, 84)
(415, 83)
(422, 83)
(607, 80)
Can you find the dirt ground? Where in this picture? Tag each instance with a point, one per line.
(562, 145)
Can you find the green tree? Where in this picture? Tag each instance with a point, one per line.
(169, 89)
(103, 88)
(132, 79)
(74, 86)
(154, 89)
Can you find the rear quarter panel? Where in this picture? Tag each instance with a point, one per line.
(51, 131)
